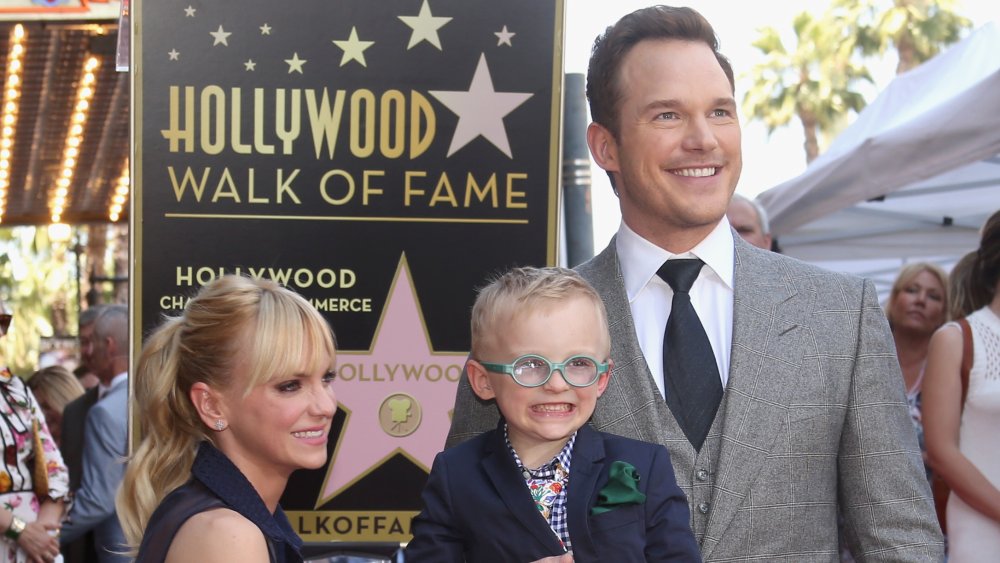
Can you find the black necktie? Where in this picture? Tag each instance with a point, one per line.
(690, 375)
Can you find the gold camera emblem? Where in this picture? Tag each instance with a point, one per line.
(399, 415)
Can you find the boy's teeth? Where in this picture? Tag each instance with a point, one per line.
(553, 408)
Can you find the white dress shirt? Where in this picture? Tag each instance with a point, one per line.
(103, 389)
(650, 297)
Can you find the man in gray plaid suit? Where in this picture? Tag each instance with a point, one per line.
(812, 420)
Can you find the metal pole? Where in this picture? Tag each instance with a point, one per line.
(77, 251)
(576, 173)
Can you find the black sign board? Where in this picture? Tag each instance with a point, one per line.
(382, 158)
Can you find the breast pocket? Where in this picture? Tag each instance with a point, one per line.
(619, 535)
(617, 518)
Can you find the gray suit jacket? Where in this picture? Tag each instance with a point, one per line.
(813, 420)
(104, 448)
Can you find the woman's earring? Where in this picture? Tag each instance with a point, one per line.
(220, 425)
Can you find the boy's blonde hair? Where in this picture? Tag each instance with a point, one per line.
(522, 289)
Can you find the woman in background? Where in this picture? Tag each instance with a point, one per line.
(30, 511)
(962, 436)
(917, 306)
(54, 387)
(234, 395)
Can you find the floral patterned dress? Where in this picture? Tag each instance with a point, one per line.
(18, 408)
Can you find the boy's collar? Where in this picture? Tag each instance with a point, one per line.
(564, 457)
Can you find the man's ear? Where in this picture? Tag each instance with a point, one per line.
(605, 378)
(479, 380)
(603, 147)
(208, 402)
(111, 345)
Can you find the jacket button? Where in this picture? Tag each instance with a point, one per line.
(703, 508)
(701, 475)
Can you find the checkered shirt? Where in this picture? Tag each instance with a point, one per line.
(545, 476)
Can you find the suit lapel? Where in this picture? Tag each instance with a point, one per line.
(765, 360)
(509, 486)
(632, 405)
(585, 469)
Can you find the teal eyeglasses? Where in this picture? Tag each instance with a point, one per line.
(532, 370)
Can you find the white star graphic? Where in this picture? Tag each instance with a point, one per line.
(295, 63)
(503, 37)
(354, 48)
(265, 29)
(189, 12)
(251, 66)
(173, 54)
(220, 36)
(481, 110)
(425, 27)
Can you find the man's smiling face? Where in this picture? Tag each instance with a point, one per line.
(677, 156)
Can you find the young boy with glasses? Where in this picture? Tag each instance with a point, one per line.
(544, 485)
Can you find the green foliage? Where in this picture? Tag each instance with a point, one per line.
(816, 79)
(813, 81)
(36, 278)
(917, 29)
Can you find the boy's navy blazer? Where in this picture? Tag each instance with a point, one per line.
(476, 506)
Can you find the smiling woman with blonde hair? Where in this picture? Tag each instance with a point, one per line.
(233, 396)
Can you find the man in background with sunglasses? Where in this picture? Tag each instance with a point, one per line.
(540, 349)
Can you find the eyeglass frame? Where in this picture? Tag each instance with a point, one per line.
(508, 369)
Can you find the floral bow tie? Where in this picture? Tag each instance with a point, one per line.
(544, 491)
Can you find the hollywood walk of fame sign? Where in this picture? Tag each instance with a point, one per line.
(380, 158)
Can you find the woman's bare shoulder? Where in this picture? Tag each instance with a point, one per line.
(948, 336)
(220, 535)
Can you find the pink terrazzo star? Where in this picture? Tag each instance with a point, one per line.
(401, 361)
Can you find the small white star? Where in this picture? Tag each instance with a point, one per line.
(220, 36)
(354, 48)
(503, 37)
(425, 27)
(174, 55)
(295, 63)
(481, 110)
(189, 12)
(265, 29)
(251, 66)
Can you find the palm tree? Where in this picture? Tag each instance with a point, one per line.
(917, 29)
(814, 82)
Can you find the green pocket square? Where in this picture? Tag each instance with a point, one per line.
(622, 489)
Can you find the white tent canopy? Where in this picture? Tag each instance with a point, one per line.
(913, 178)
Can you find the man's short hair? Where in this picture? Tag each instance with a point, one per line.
(610, 48)
(89, 315)
(113, 322)
(524, 289)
